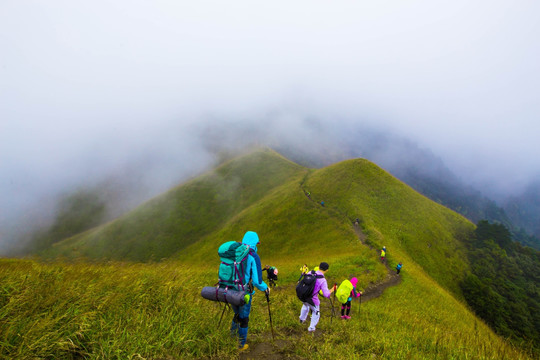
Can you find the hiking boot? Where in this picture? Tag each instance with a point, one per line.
(243, 348)
(343, 317)
(347, 317)
(302, 321)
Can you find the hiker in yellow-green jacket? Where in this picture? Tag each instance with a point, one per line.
(303, 270)
(346, 307)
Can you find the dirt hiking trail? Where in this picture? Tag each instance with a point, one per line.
(283, 345)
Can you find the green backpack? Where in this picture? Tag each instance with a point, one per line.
(232, 269)
(344, 290)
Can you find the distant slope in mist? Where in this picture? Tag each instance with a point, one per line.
(318, 146)
(524, 210)
(427, 174)
(173, 220)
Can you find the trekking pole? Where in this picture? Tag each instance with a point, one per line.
(269, 313)
(223, 313)
(332, 303)
(332, 306)
(335, 288)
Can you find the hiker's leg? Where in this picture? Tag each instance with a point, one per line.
(242, 335)
(243, 316)
(234, 324)
(342, 309)
(348, 305)
(315, 316)
(304, 312)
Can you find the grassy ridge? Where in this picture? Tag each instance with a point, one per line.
(394, 215)
(122, 310)
(182, 215)
(288, 224)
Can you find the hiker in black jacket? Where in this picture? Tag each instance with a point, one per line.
(271, 274)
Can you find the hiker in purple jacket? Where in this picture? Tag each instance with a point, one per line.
(314, 304)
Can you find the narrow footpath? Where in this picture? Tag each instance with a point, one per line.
(276, 350)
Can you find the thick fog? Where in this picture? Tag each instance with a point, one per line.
(139, 94)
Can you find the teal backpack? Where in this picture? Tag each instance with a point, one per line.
(232, 269)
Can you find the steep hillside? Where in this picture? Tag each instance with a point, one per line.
(393, 215)
(168, 223)
(122, 310)
(423, 171)
(266, 192)
(292, 227)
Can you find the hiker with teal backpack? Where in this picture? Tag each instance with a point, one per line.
(239, 272)
(253, 275)
(307, 291)
(345, 293)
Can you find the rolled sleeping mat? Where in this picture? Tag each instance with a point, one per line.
(230, 296)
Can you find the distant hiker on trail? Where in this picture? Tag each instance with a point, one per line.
(322, 203)
(254, 274)
(398, 267)
(308, 194)
(303, 270)
(383, 253)
(345, 293)
(308, 291)
(356, 222)
(271, 274)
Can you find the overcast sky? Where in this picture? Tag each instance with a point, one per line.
(86, 86)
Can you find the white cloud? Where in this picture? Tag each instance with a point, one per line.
(88, 86)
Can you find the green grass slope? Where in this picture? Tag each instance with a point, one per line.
(392, 214)
(412, 227)
(154, 311)
(170, 222)
(126, 310)
(293, 227)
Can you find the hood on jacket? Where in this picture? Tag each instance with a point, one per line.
(354, 281)
(251, 239)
